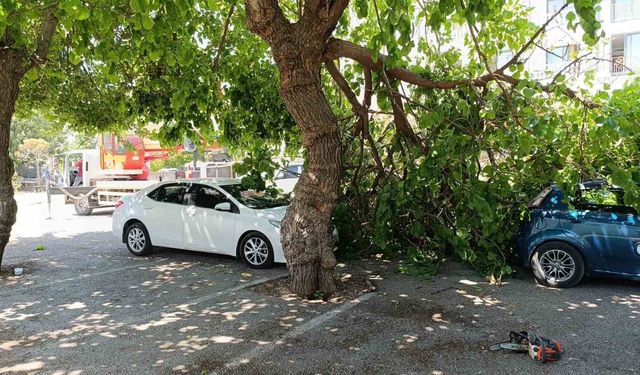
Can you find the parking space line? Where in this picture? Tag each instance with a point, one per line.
(259, 351)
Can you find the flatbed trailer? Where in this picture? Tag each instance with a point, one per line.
(103, 195)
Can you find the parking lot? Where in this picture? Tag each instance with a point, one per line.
(85, 305)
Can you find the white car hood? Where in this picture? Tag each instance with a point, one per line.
(275, 213)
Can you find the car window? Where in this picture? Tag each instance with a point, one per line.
(256, 199)
(602, 198)
(170, 193)
(205, 196)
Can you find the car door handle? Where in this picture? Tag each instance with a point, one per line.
(147, 207)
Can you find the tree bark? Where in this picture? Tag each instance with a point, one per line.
(11, 72)
(306, 230)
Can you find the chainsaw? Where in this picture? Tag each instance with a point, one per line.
(539, 348)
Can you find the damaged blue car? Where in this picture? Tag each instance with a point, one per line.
(592, 232)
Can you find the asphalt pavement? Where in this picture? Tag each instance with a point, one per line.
(86, 306)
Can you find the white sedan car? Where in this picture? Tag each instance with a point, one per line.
(203, 215)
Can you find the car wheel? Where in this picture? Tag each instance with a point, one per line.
(557, 264)
(137, 239)
(256, 251)
(82, 206)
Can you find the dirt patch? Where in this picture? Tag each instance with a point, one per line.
(348, 287)
(6, 272)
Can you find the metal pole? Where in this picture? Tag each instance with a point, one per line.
(49, 197)
(195, 161)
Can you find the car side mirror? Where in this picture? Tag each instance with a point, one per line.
(224, 206)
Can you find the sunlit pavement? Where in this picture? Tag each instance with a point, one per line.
(85, 305)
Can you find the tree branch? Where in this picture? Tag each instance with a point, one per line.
(43, 43)
(342, 83)
(335, 13)
(358, 109)
(337, 48)
(322, 16)
(265, 18)
(531, 40)
(223, 38)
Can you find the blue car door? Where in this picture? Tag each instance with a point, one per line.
(612, 230)
(623, 238)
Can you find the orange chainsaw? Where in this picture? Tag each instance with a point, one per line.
(539, 348)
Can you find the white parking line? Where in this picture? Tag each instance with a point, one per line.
(299, 330)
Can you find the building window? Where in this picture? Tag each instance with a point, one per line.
(622, 10)
(554, 5)
(503, 58)
(556, 57)
(625, 53)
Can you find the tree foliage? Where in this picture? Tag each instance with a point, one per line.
(33, 152)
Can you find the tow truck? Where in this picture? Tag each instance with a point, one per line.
(118, 166)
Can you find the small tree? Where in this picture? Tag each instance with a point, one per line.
(33, 152)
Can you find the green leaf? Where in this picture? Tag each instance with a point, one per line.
(528, 92)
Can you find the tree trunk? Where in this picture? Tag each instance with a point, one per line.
(298, 52)
(307, 229)
(307, 237)
(10, 74)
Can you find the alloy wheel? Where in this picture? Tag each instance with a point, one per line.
(136, 239)
(557, 265)
(256, 251)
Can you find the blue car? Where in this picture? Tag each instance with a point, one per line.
(591, 232)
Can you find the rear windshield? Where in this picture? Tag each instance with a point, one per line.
(537, 201)
(255, 199)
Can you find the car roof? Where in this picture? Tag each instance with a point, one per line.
(206, 181)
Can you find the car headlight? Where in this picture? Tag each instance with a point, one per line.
(275, 223)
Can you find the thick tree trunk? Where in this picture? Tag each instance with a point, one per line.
(307, 230)
(10, 74)
(298, 52)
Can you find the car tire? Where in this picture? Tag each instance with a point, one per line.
(137, 239)
(557, 264)
(82, 206)
(256, 251)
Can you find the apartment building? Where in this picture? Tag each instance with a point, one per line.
(614, 60)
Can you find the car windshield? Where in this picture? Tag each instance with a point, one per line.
(255, 199)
